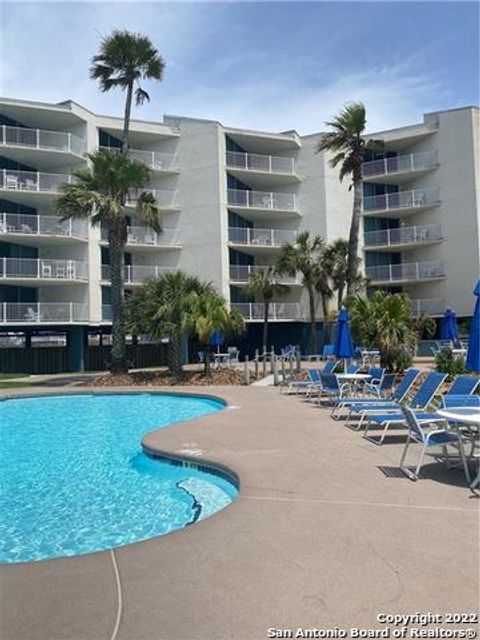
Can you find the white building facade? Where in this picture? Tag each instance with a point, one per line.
(229, 200)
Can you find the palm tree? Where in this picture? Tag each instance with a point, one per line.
(324, 287)
(263, 282)
(208, 313)
(334, 261)
(98, 194)
(162, 308)
(349, 145)
(126, 58)
(303, 256)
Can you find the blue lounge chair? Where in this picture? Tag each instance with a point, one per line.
(331, 387)
(375, 394)
(464, 385)
(452, 401)
(313, 378)
(387, 416)
(430, 436)
(395, 398)
(328, 351)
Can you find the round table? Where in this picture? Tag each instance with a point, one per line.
(464, 415)
(354, 378)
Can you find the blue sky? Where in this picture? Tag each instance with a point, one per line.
(273, 66)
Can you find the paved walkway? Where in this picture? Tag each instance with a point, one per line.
(324, 534)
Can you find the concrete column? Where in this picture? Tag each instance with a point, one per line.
(76, 343)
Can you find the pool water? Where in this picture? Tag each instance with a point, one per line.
(75, 479)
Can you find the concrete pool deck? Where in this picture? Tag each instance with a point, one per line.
(319, 537)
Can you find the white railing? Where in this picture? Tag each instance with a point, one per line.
(40, 225)
(241, 273)
(41, 139)
(406, 271)
(163, 198)
(154, 160)
(261, 199)
(261, 237)
(429, 306)
(404, 235)
(42, 312)
(402, 200)
(146, 236)
(33, 180)
(134, 274)
(277, 310)
(401, 164)
(43, 268)
(258, 162)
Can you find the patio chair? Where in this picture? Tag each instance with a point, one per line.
(313, 379)
(330, 366)
(331, 387)
(463, 385)
(234, 355)
(201, 357)
(328, 351)
(377, 393)
(430, 436)
(387, 417)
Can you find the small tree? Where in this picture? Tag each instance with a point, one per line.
(263, 283)
(334, 262)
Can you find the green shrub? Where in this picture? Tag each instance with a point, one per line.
(447, 362)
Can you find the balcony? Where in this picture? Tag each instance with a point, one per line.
(403, 237)
(137, 274)
(143, 237)
(261, 168)
(254, 237)
(261, 201)
(43, 312)
(429, 306)
(241, 273)
(406, 272)
(25, 186)
(164, 199)
(154, 160)
(42, 269)
(42, 139)
(254, 311)
(402, 202)
(41, 226)
(399, 166)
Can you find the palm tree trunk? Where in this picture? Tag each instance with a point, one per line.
(174, 356)
(118, 354)
(313, 328)
(126, 118)
(326, 325)
(339, 298)
(208, 371)
(266, 309)
(354, 231)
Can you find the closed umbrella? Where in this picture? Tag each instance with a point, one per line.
(473, 354)
(449, 327)
(216, 339)
(343, 339)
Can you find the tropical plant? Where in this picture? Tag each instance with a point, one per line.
(161, 308)
(303, 256)
(208, 313)
(264, 283)
(124, 59)
(349, 145)
(97, 194)
(447, 362)
(385, 321)
(334, 262)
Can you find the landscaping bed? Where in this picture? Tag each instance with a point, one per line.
(163, 378)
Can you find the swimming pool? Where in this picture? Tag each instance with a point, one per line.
(75, 479)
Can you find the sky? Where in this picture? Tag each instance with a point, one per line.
(269, 66)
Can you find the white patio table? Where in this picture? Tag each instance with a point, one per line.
(464, 415)
(354, 378)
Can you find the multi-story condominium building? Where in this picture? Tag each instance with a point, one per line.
(230, 198)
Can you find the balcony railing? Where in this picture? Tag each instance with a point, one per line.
(33, 180)
(146, 236)
(429, 306)
(258, 162)
(40, 225)
(43, 268)
(404, 235)
(164, 199)
(406, 271)
(277, 310)
(261, 199)
(241, 273)
(155, 160)
(402, 200)
(261, 237)
(41, 139)
(42, 312)
(400, 164)
(136, 274)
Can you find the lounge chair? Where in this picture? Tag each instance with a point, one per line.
(376, 393)
(331, 387)
(430, 436)
(313, 379)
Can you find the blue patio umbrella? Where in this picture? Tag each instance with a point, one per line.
(473, 354)
(343, 339)
(216, 339)
(449, 326)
